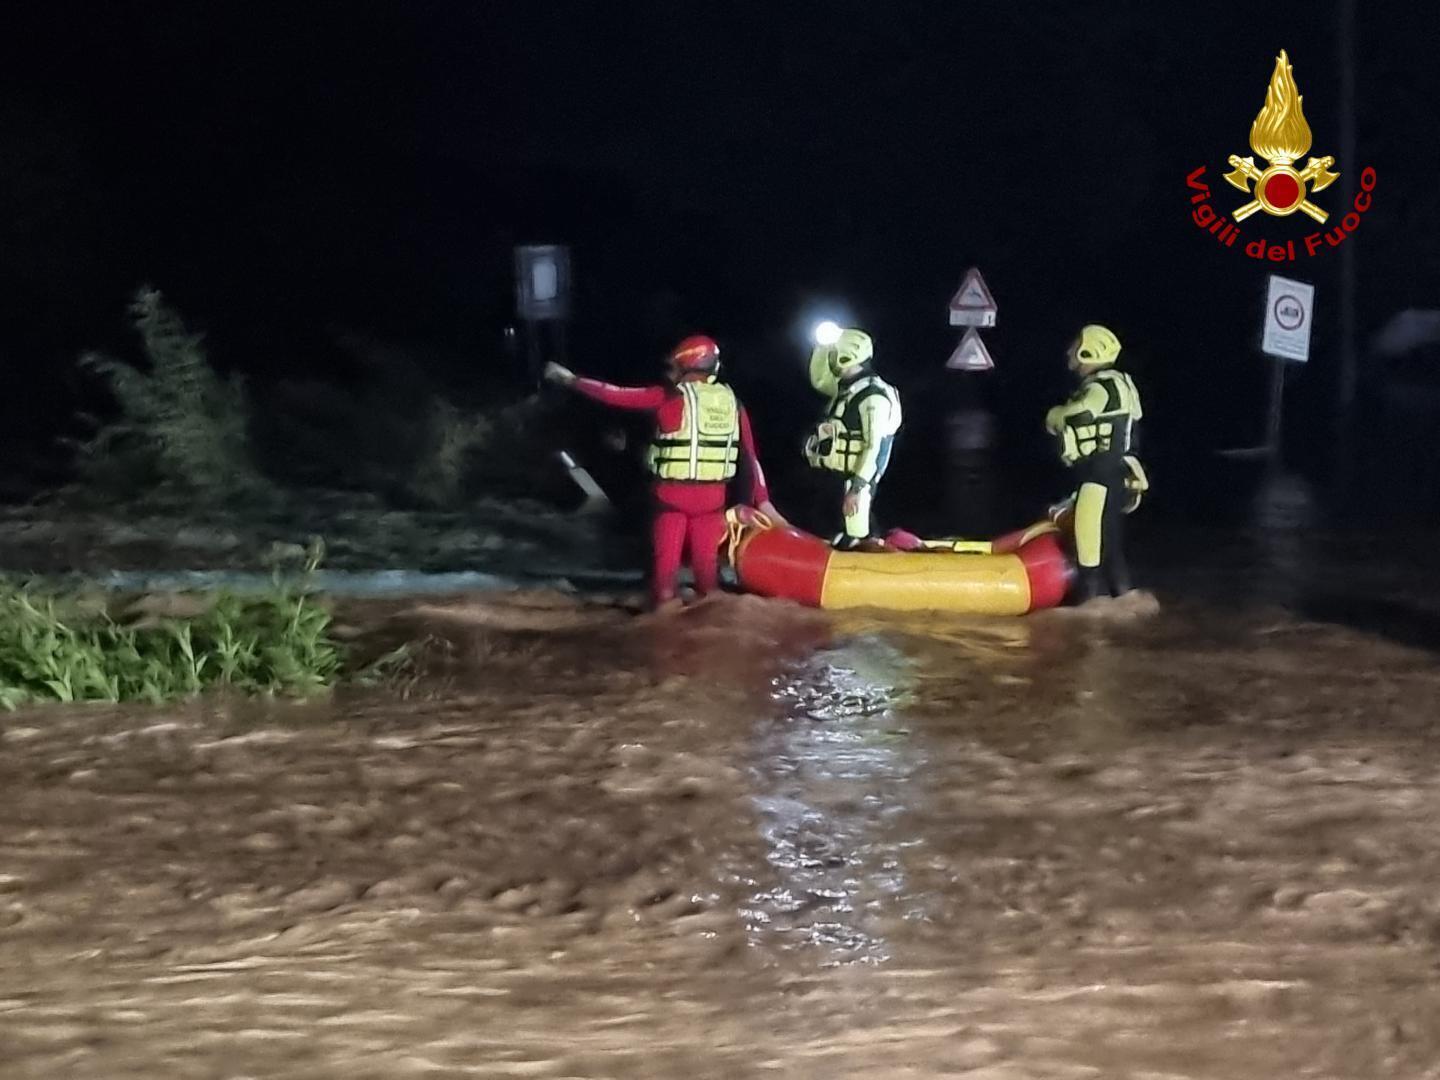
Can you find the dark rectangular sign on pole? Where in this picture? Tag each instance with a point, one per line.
(542, 282)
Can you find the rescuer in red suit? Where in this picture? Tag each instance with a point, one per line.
(702, 437)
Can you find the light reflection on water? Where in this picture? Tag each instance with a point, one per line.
(832, 763)
(1200, 844)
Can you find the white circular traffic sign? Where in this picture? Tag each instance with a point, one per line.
(1289, 312)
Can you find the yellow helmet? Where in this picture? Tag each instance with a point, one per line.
(1097, 347)
(830, 363)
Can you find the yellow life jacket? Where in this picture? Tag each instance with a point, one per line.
(838, 443)
(1112, 430)
(707, 444)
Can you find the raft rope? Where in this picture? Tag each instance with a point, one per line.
(739, 526)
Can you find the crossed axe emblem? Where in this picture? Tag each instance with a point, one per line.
(1316, 172)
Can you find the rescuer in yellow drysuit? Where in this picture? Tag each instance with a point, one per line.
(1098, 432)
(858, 431)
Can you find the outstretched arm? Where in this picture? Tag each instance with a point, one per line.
(639, 398)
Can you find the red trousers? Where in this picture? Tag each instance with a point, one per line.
(687, 514)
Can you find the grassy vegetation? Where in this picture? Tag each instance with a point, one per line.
(180, 425)
(57, 647)
(439, 476)
(470, 453)
(181, 429)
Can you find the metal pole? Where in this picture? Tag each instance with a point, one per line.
(1345, 396)
(536, 361)
(1277, 410)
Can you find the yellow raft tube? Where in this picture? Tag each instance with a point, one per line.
(1015, 574)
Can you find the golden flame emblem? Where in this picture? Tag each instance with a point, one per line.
(1281, 136)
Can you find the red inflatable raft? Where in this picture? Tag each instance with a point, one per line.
(1017, 573)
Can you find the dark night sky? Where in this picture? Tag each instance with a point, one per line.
(718, 166)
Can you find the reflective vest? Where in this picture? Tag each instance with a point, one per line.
(1112, 430)
(838, 443)
(707, 444)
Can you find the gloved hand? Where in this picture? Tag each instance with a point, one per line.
(558, 373)
(1060, 509)
(1136, 483)
(768, 509)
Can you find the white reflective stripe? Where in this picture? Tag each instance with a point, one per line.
(692, 406)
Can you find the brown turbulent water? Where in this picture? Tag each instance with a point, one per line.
(746, 841)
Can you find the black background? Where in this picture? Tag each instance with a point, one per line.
(280, 171)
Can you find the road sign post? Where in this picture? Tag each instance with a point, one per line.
(1289, 309)
(542, 299)
(1289, 315)
(972, 306)
(969, 497)
(970, 354)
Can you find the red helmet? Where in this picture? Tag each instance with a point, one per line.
(698, 353)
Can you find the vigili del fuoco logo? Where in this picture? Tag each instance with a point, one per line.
(1280, 137)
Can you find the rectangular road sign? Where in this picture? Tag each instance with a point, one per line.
(542, 282)
(1289, 314)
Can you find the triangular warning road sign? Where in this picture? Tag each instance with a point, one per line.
(970, 354)
(972, 305)
(973, 292)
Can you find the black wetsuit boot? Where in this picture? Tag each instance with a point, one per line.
(1088, 584)
(1112, 559)
(1112, 576)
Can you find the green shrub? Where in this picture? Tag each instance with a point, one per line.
(180, 423)
(55, 648)
(439, 477)
(497, 451)
(394, 430)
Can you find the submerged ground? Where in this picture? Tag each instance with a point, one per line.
(756, 841)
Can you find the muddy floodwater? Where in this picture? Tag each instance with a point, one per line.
(753, 841)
